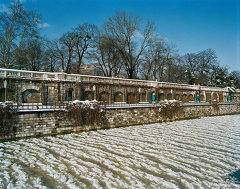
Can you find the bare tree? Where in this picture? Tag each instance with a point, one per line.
(84, 37)
(67, 42)
(200, 65)
(68, 51)
(153, 61)
(175, 73)
(235, 75)
(191, 61)
(161, 62)
(17, 27)
(125, 32)
(107, 56)
(191, 67)
(50, 61)
(34, 54)
(170, 61)
(206, 60)
(59, 52)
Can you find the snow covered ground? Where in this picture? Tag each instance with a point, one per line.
(199, 153)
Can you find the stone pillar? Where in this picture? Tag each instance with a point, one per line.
(139, 98)
(125, 95)
(59, 100)
(111, 95)
(156, 94)
(94, 92)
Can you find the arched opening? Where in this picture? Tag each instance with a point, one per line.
(169, 96)
(70, 94)
(89, 95)
(197, 97)
(131, 98)
(104, 97)
(215, 97)
(152, 97)
(190, 97)
(118, 97)
(31, 96)
(230, 97)
(177, 97)
(201, 97)
(208, 97)
(143, 97)
(184, 98)
(161, 96)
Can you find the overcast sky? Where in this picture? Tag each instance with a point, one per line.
(193, 25)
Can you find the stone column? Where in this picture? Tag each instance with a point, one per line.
(139, 95)
(125, 95)
(111, 95)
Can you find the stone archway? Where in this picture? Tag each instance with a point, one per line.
(143, 97)
(215, 97)
(31, 96)
(190, 98)
(69, 94)
(169, 96)
(104, 97)
(131, 98)
(177, 97)
(152, 97)
(184, 98)
(89, 95)
(208, 97)
(118, 97)
(161, 97)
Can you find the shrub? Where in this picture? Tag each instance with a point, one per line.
(8, 119)
(86, 112)
(170, 108)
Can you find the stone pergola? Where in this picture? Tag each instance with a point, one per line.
(56, 88)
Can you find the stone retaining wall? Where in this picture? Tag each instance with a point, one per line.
(136, 116)
(33, 124)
